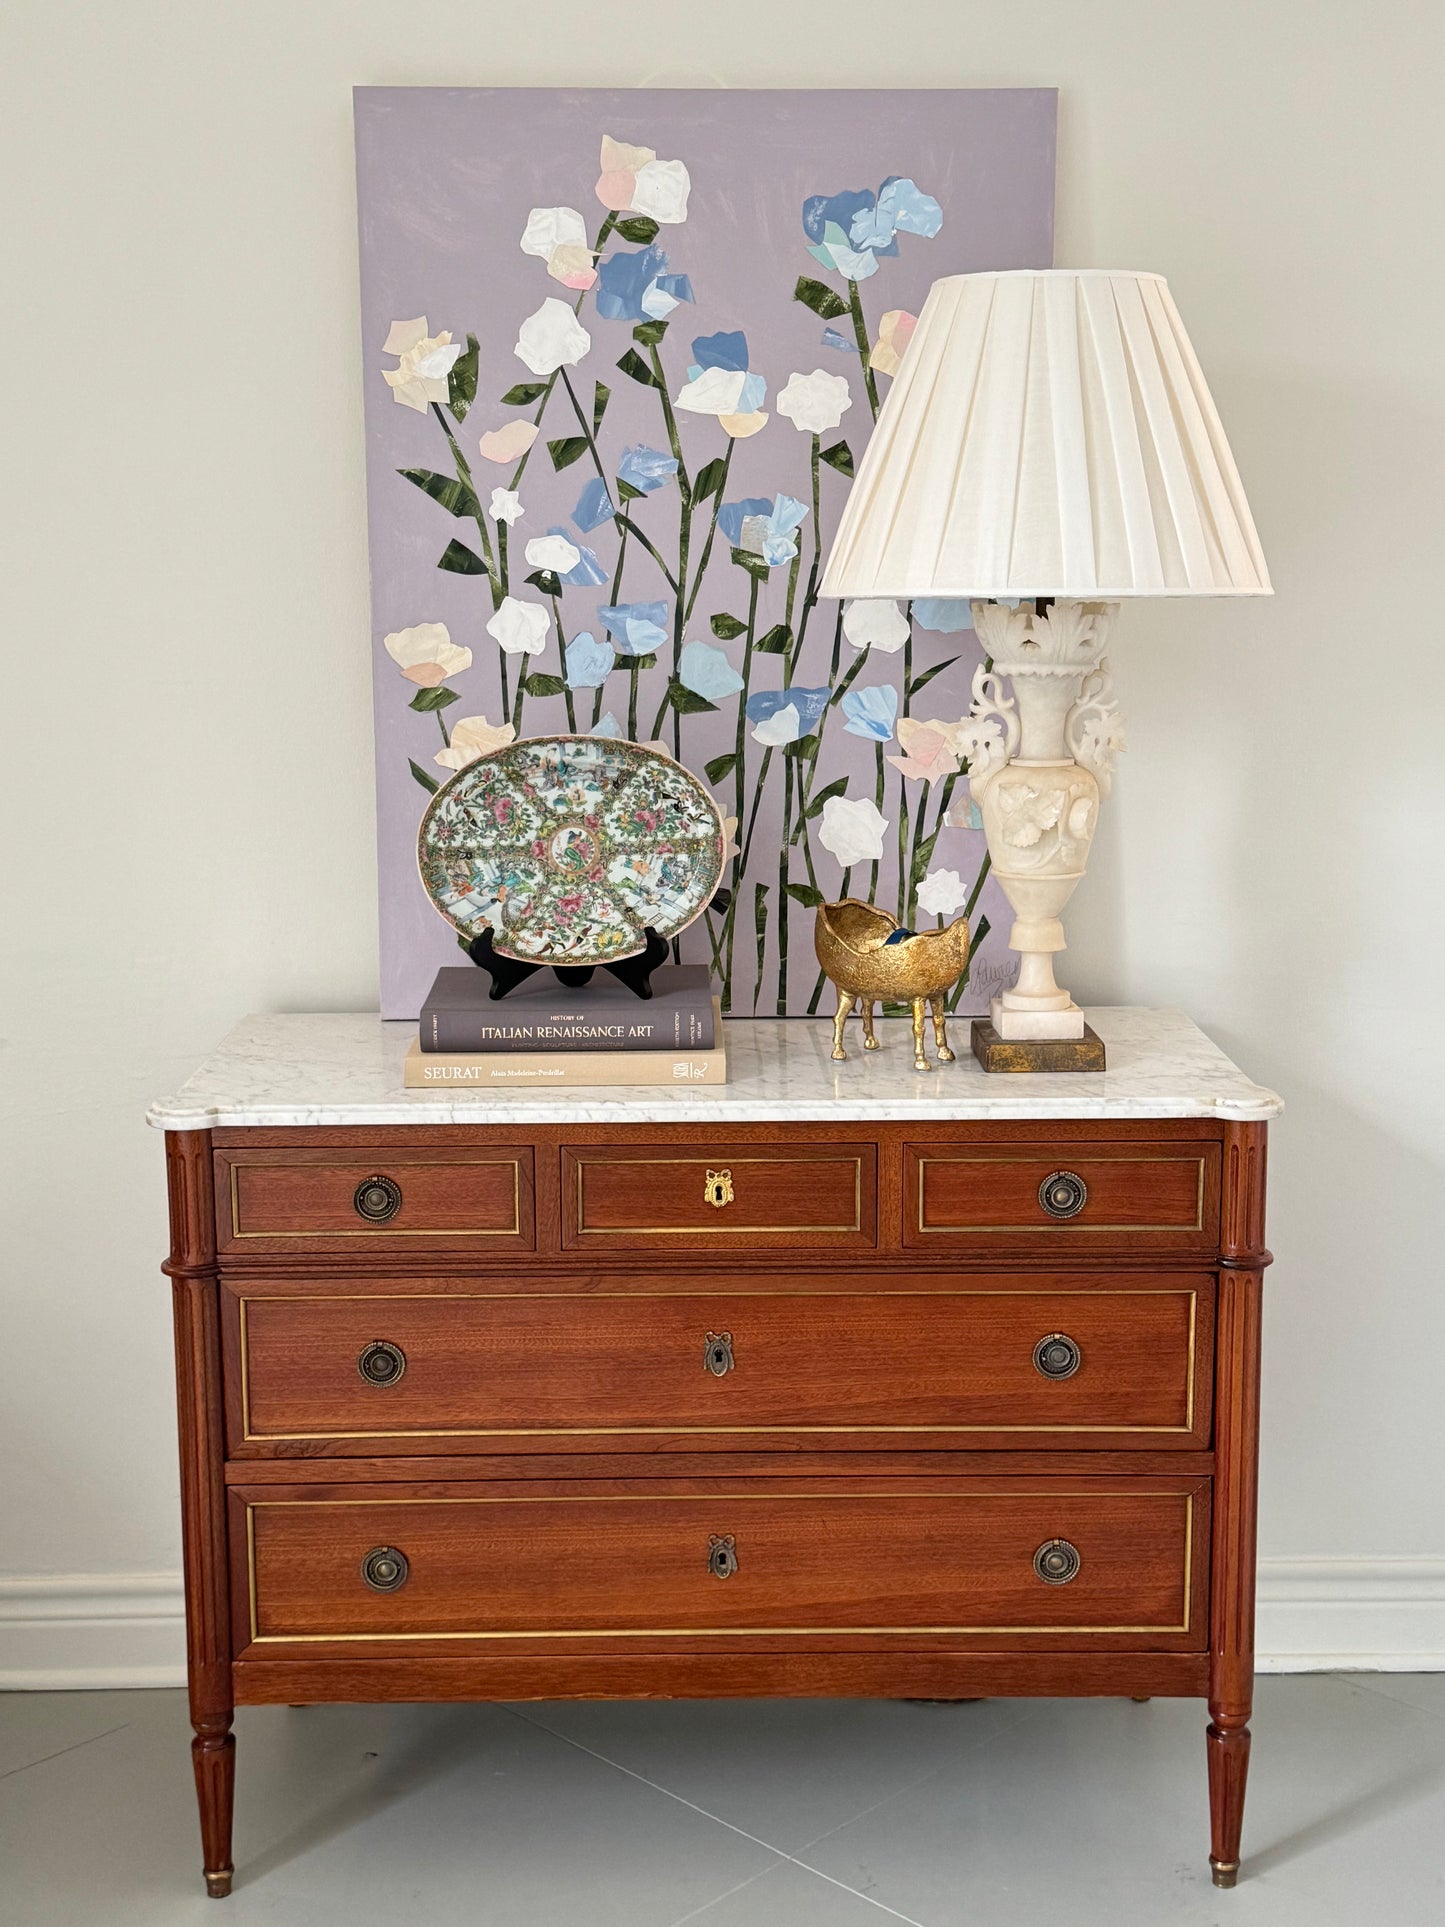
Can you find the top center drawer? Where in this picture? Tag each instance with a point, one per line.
(749, 1195)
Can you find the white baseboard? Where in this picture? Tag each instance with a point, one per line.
(93, 1630)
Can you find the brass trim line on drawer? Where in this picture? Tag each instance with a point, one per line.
(711, 1632)
(1072, 1224)
(378, 1231)
(249, 1437)
(713, 1230)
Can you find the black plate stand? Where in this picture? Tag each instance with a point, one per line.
(506, 972)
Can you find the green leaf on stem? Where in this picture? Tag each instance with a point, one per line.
(547, 580)
(633, 364)
(649, 333)
(726, 627)
(601, 395)
(928, 675)
(815, 804)
(754, 564)
(922, 856)
(721, 766)
(819, 297)
(804, 746)
(566, 449)
(638, 663)
(627, 493)
(426, 700)
(686, 701)
(540, 685)
(805, 894)
(461, 560)
(709, 479)
(760, 922)
(429, 783)
(776, 642)
(839, 456)
(446, 489)
(462, 382)
(524, 394)
(640, 228)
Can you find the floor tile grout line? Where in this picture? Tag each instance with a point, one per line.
(60, 1753)
(718, 1899)
(716, 1819)
(1362, 1680)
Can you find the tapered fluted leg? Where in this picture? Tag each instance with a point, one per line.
(1228, 1746)
(213, 1755)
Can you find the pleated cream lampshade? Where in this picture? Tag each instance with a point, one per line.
(1048, 433)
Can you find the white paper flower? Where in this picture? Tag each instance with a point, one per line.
(472, 737)
(509, 443)
(941, 893)
(815, 402)
(895, 331)
(872, 623)
(730, 837)
(505, 505)
(520, 627)
(551, 338)
(661, 189)
(853, 831)
(425, 362)
(553, 552)
(716, 391)
(549, 228)
(781, 727)
(426, 655)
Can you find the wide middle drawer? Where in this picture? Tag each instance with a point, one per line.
(1065, 1365)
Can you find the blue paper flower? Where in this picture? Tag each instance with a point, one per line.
(763, 528)
(784, 715)
(586, 572)
(871, 712)
(607, 725)
(718, 383)
(849, 232)
(945, 615)
(646, 469)
(843, 343)
(727, 350)
(638, 628)
(638, 287)
(594, 506)
(589, 662)
(707, 672)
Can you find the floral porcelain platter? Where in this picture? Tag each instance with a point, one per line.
(568, 847)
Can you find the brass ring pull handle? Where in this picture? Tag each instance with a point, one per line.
(718, 1188)
(722, 1555)
(717, 1353)
(381, 1362)
(385, 1569)
(1057, 1356)
(377, 1199)
(1063, 1194)
(1057, 1562)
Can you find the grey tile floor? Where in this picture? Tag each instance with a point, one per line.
(784, 1813)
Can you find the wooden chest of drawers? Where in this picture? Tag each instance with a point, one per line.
(789, 1397)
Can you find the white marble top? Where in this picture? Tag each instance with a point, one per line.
(282, 1070)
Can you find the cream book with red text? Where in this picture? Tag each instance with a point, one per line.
(519, 1070)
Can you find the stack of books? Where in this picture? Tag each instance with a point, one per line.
(543, 1034)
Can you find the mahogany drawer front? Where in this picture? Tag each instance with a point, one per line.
(1154, 1197)
(732, 1196)
(1058, 1367)
(325, 1200)
(730, 1564)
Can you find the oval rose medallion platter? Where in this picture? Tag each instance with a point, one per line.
(568, 847)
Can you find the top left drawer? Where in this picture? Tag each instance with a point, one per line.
(272, 1201)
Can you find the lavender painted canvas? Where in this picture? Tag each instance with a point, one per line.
(623, 352)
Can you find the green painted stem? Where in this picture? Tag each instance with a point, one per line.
(860, 335)
(711, 532)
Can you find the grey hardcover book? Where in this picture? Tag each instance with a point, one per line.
(459, 1016)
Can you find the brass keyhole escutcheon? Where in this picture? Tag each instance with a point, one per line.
(722, 1555)
(717, 1353)
(718, 1188)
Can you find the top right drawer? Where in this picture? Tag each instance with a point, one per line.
(1155, 1197)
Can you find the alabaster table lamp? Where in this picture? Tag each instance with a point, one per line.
(1049, 448)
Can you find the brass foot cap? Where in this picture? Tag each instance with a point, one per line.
(218, 1885)
(1225, 1872)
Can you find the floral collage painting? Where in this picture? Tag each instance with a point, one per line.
(623, 352)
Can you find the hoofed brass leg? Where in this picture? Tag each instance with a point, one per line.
(870, 1042)
(920, 1062)
(939, 1008)
(840, 1017)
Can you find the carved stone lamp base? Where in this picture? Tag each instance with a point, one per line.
(997, 1053)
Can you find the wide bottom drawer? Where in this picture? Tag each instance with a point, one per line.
(1092, 1561)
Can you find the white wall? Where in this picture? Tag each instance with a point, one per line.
(186, 773)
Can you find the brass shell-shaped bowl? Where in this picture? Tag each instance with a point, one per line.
(851, 940)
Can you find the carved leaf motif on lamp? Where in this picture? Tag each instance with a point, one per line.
(1049, 447)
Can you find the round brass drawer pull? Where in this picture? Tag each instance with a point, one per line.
(1057, 1562)
(385, 1569)
(1063, 1194)
(722, 1555)
(1057, 1356)
(381, 1363)
(376, 1199)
